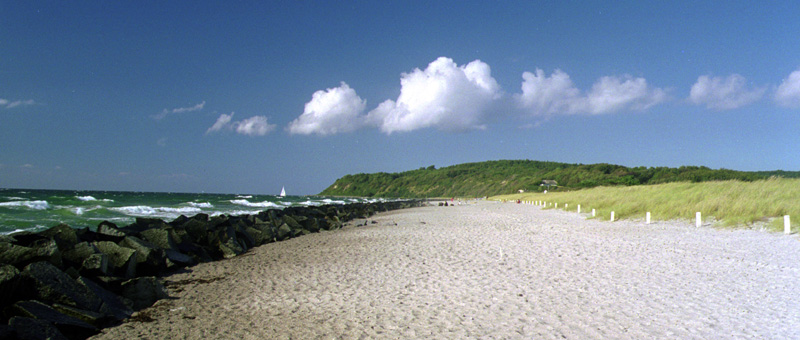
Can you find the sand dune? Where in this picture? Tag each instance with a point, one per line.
(490, 271)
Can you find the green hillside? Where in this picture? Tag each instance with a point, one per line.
(509, 176)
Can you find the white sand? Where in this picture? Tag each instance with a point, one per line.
(492, 271)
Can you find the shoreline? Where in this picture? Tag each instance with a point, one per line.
(489, 270)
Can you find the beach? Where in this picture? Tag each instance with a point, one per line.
(487, 270)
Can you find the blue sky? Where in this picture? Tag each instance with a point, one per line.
(249, 96)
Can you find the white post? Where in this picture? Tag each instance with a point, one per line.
(787, 227)
(648, 217)
(566, 205)
(579, 208)
(556, 205)
(612, 216)
(593, 213)
(699, 221)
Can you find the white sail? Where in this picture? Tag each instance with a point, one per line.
(283, 191)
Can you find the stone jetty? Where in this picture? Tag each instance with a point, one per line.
(66, 283)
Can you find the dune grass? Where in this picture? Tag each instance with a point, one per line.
(729, 203)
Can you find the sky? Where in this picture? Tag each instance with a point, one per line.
(252, 96)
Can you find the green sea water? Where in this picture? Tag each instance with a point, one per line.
(34, 210)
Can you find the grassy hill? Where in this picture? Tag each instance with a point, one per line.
(509, 176)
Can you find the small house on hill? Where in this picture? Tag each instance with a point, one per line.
(548, 183)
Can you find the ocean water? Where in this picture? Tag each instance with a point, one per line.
(36, 210)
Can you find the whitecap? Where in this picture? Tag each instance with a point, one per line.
(201, 204)
(246, 203)
(77, 211)
(14, 198)
(86, 198)
(35, 205)
(244, 196)
(144, 210)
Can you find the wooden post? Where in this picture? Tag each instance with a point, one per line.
(648, 217)
(699, 219)
(612, 216)
(787, 226)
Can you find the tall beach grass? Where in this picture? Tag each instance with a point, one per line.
(727, 202)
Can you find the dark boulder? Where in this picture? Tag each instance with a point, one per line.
(34, 329)
(284, 232)
(52, 285)
(150, 259)
(95, 265)
(160, 238)
(9, 285)
(64, 235)
(122, 261)
(111, 304)
(143, 291)
(79, 253)
(42, 249)
(67, 325)
(107, 231)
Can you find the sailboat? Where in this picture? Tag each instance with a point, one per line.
(283, 192)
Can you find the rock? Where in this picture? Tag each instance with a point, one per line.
(121, 260)
(95, 265)
(292, 222)
(111, 304)
(159, 237)
(9, 285)
(284, 232)
(150, 260)
(7, 332)
(107, 231)
(33, 329)
(79, 253)
(64, 235)
(178, 258)
(96, 319)
(52, 285)
(67, 325)
(42, 249)
(143, 291)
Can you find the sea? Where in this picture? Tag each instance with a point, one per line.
(36, 210)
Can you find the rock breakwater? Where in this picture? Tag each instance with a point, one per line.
(65, 283)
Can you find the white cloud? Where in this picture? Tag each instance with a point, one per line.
(166, 112)
(332, 111)
(611, 94)
(444, 95)
(542, 95)
(723, 93)
(12, 104)
(222, 122)
(788, 92)
(253, 126)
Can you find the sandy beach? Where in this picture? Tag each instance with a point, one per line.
(490, 271)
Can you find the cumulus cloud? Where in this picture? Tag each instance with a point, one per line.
(723, 93)
(8, 104)
(253, 126)
(542, 95)
(788, 92)
(167, 112)
(444, 95)
(334, 110)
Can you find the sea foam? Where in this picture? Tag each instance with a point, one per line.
(246, 203)
(35, 205)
